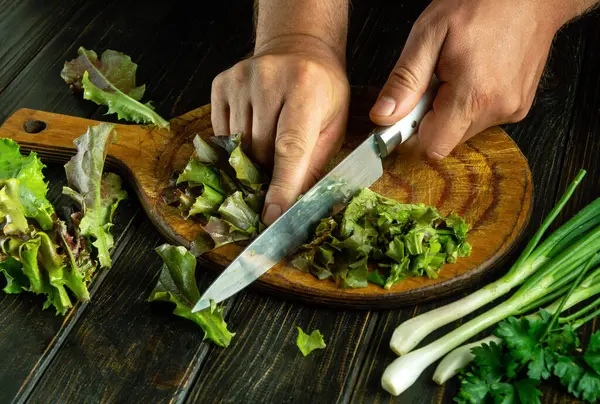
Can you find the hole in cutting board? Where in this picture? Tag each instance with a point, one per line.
(34, 126)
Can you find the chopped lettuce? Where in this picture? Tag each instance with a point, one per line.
(98, 194)
(308, 343)
(177, 284)
(223, 189)
(405, 240)
(110, 81)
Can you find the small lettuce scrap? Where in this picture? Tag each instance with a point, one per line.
(110, 81)
(223, 189)
(401, 240)
(98, 194)
(177, 285)
(308, 343)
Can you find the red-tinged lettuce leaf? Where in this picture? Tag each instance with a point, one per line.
(16, 281)
(177, 284)
(115, 67)
(98, 194)
(110, 81)
(12, 211)
(308, 343)
(27, 170)
(222, 232)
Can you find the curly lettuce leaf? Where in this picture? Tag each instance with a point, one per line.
(98, 194)
(177, 284)
(16, 281)
(308, 343)
(222, 232)
(126, 108)
(204, 153)
(247, 173)
(110, 81)
(115, 67)
(12, 211)
(207, 203)
(32, 187)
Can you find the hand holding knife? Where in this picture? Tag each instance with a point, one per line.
(359, 170)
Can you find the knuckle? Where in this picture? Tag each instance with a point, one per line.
(265, 69)
(239, 72)
(306, 72)
(403, 77)
(290, 145)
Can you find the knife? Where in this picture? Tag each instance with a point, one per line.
(357, 171)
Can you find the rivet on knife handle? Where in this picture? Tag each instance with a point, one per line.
(389, 137)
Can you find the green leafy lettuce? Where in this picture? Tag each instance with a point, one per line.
(399, 240)
(98, 194)
(38, 253)
(177, 285)
(110, 81)
(27, 170)
(223, 189)
(512, 371)
(308, 343)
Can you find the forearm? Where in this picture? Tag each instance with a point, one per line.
(322, 20)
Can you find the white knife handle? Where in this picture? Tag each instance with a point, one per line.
(388, 138)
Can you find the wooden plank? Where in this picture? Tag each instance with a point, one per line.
(28, 333)
(542, 136)
(25, 27)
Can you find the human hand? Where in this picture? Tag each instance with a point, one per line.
(290, 100)
(489, 56)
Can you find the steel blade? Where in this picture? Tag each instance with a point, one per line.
(359, 170)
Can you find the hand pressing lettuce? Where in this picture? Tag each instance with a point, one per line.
(110, 81)
(39, 253)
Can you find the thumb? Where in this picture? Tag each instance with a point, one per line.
(411, 75)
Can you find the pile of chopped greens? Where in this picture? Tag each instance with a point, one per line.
(511, 371)
(403, 240)
(223, 189)
(41, 253)
(110, 81)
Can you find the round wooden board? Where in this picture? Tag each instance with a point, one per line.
(487, 181)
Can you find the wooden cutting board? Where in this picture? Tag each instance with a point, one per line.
(487, 180)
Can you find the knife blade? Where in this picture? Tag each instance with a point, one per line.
(360, 169)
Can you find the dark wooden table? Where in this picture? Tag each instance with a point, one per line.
(119, 348)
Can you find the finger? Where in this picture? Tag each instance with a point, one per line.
(240, 121)
(264, 126)
(411, 75)
(297, 132)
(219, 111)
(328, 144)
(446, 124)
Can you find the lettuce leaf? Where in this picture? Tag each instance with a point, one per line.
(110, 81)
(98, 194)
(177, 284)
(308, 343)
(11, 210)
(27, 170)
(16, 281)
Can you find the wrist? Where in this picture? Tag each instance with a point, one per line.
(302, 45)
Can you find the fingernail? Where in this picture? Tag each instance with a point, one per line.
(272, 212)
(384, 106)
